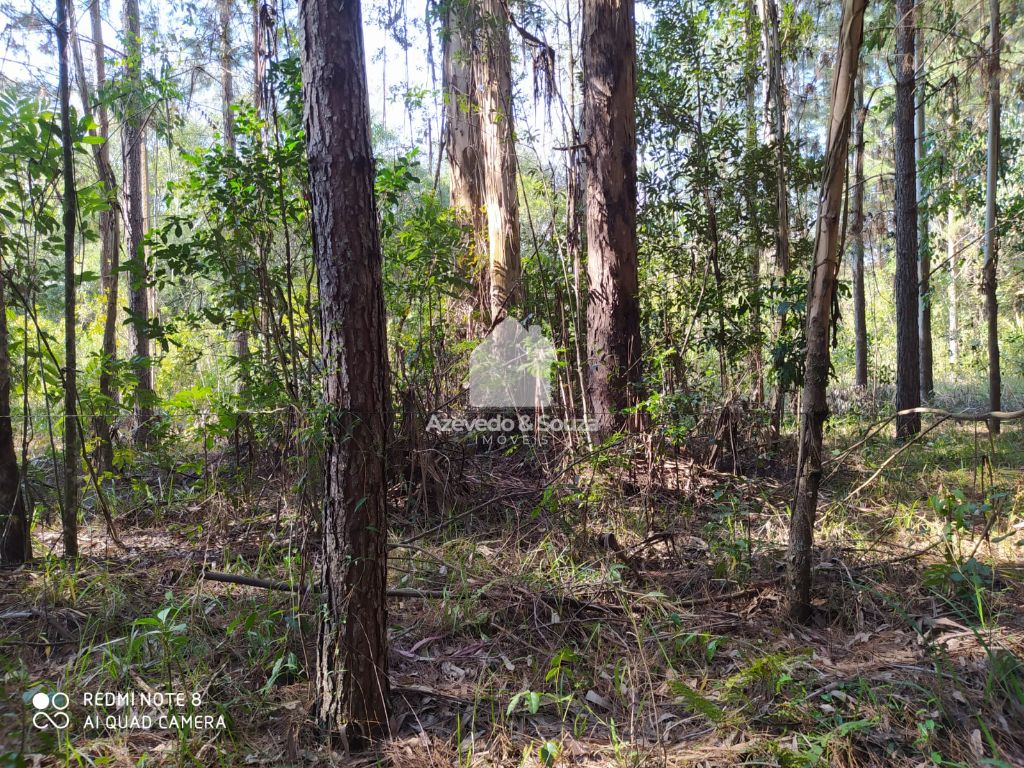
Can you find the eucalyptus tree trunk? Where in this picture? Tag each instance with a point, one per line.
(952, 308)
(72, 460)
(908, 363)
(924, 261)
(15, 538)
(462, 133)
(227, 99)
(500, 167)
(750, 110)
(776, 120)
(352, 689)
(609, 119)
(109, 227)
(135, 199)
(860, 324)
(821, 294)
(989, 278)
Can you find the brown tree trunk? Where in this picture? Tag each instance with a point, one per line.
(109, 228)
(609, 119)
(501, 169)
(860, 324)
(908, 362)
(989, 276)
(924, 260)
(72, 460)
(821, 293)
(15, 539)
(351, 664)
(462, 134)
(135, 199)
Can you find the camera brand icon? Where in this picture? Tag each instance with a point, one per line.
(50, 711)
(511, 368)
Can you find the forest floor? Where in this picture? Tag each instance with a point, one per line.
(616, 611)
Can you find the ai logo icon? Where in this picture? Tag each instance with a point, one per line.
(50, 711)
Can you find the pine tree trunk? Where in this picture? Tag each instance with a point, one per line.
(135, 199)
(462, 134)
(15, 538)
(924, 261)
(824, 268)
(351, 665)
(72, 459)
(908, 363)
(989, 277)
(609, 118)
(109, 228)
(860, 323)
(501, 168)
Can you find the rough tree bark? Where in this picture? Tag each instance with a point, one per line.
(609, 119)
(860, 324)
(821, 293)
(924, 261)
(109, 227)
(501, 169)
(462, 132)
(952, 309)
(908, 362)
(72, 460)
(135, 230)
(15, 541)
(989, 276)
(351, 664)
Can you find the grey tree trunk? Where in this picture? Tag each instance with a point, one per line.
(924, 261)
(989, 277)
(352, 689)
(609, 118)
(72, 459)
(908, 362)
(952, 309)
(824, 269)
(109, 227)
(756, 361)
(501, 168)
(860, 324)
(462, 133)
(776, 119)
(135, 200)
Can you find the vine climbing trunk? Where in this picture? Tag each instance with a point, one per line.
(135, 230)
(609, 119)
(989, 276)
(72, 460)
(352, 688)
(822, 287)
(908, 362)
